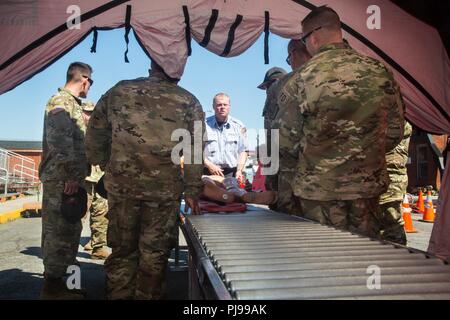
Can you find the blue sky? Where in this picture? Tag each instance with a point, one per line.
(206, 74)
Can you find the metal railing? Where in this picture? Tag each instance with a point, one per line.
(16, 169)
(4, 180)
(19, 172)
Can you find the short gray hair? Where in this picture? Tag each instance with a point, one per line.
(221, 94)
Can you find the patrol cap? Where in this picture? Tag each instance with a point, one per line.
(74, 207)
(271, 75)
(88, 106)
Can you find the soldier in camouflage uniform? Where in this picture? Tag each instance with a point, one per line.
(337, 106)
(270, 85)
(391, 202)
(98, 222)
(97, 205)
(129, 136)
(287, 202)
(62, 170)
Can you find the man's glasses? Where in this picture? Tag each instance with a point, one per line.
(288, 59)
(303, 39)
(91, 82)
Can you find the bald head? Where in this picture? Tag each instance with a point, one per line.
(320, 27)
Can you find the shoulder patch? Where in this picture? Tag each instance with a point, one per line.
(56, 110)
(239, 122)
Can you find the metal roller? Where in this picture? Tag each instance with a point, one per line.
(358, 247)
(281, 241)
(417, 296)
(411, 270)
(326, 265)
(342, 291)
(305, 244)
(261, 229)
(252, 234)
(341, 248)
(262, 240)
(306, 254)
(385, 257)
(242, 226)
(332, 281)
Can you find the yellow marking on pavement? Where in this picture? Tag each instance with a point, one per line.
(10, 216)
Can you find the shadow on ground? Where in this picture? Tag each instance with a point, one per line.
(177, 283)
(21, 285)
(36, 251)
(18, 284)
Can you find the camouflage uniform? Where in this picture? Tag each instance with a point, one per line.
(98, 207)
(63, 159)
(280, 182)
(336, 112)
(129, 135)
(391, 201)
(269, 112)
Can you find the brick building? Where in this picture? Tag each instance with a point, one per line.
(426, 160)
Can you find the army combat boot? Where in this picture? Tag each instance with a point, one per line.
(56, 289)
(100, 253)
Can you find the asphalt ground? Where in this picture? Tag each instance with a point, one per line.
(21, 265)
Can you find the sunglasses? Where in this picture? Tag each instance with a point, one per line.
(303, 39)
(91, 82)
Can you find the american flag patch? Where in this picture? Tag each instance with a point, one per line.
(56, 110)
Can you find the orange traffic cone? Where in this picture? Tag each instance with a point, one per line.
(409, 228)
(428, 216)
(420, 203)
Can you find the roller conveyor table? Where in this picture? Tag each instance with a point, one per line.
(262, 254)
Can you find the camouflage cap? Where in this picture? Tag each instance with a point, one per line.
(88, 106)
(74, 207)
(271, 75)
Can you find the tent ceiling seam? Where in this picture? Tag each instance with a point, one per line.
(187, 21)
(210, 27)
(37, 43)
(231, 34)
(266, 36)
(127, 30)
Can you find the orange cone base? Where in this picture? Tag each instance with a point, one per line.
(408, 226)
(429, 216)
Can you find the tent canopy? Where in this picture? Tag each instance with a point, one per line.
(35, 33)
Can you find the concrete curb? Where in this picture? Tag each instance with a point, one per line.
(10, 216)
